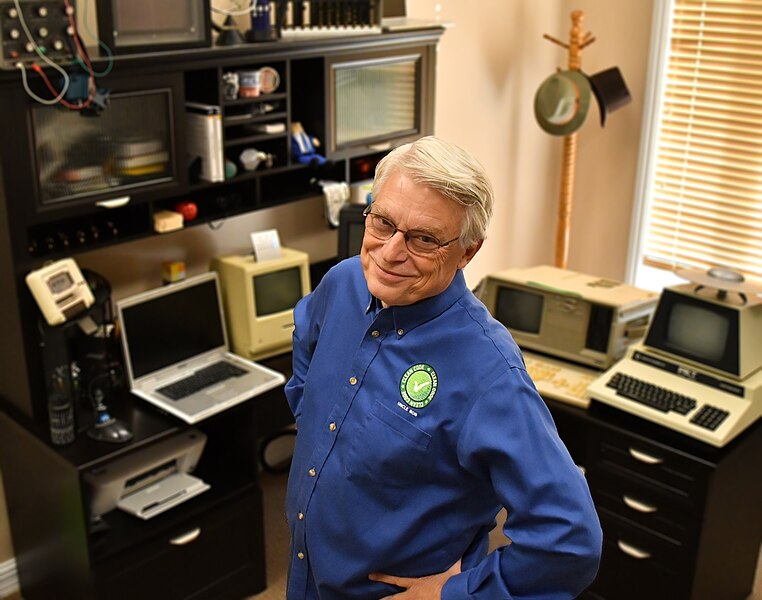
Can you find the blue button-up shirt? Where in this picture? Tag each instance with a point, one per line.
(416, 424)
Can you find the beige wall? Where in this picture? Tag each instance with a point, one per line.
(490, 64)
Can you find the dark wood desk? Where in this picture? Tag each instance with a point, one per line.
(681, 520)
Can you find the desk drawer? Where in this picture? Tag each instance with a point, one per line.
(679, 475)
(637, 565)
(644, 504)
(219, 554)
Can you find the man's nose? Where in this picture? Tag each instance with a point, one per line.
(395, 248)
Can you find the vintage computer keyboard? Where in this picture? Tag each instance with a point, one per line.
(560, 380)
(709, 408)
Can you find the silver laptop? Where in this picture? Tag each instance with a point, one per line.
(177, 355)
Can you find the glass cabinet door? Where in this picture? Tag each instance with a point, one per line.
(125, 146)
(376, 99)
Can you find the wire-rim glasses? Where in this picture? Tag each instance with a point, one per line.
(418, 242)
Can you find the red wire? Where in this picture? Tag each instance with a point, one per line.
(86, 60)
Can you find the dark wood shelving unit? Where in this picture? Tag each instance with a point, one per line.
(59, 551)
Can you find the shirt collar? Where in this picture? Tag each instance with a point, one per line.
(408, 317)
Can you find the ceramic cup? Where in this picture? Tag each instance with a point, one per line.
(249, 84)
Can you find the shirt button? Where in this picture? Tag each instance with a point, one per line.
(300, 555)
(300, 516)
(400, 331)
(375, 333)
(332, 427)
(312, 472)
(353, 380)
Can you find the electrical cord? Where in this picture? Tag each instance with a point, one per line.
(80, 50)
(20, 65)
(101, 45)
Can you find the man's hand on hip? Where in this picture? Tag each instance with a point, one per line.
(418, 588)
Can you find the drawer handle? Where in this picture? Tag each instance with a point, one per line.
(114, 202)
(186, 538)
(645, 458)
(633, 551)
(380, 147)
(639, 506)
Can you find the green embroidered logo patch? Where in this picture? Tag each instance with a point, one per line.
(418, 385)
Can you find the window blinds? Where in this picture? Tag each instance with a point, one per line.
(705, 208)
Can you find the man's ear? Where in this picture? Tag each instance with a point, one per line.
(469, 254)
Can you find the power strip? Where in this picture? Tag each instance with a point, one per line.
(48, 24)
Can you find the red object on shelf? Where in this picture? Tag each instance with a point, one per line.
(188, 210)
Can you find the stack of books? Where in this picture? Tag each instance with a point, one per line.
(140, 157)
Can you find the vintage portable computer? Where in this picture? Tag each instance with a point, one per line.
(259, 299)
(699, 369)
(569, 325)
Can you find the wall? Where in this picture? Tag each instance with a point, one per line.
(490, 64)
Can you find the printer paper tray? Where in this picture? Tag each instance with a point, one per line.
(163, 495)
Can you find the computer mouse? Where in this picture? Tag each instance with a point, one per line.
(113, 431)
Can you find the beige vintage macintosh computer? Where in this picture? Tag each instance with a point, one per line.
(569, 325)
(699, 369)
(259, 298)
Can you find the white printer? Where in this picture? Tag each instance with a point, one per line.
(150, 480)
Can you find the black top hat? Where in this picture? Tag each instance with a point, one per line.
(610, 91)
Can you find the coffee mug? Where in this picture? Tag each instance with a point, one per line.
(249, 84)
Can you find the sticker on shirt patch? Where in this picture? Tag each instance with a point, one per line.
(418, 385)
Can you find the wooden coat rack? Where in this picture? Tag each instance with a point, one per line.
(577, 41)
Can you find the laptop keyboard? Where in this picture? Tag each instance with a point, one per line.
(214, 373)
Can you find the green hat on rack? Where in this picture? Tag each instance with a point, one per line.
(562, 101)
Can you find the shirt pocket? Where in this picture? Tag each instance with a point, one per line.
(387, 451)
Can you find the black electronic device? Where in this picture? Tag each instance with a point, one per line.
(83, 372)
(351, 230)
(38, 28)
(137, 26)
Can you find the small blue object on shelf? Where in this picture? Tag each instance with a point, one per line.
(303, 147)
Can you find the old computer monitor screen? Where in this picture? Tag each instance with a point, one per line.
(704, 332)
(259, 299)
(519, 310)
(351, 230)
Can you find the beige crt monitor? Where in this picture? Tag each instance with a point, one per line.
(259, 299)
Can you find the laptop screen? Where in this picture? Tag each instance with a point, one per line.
(172, 324)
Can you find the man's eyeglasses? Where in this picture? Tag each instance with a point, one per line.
(418, 242)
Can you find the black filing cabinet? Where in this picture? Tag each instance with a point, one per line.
(680, 519)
